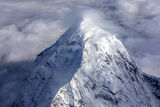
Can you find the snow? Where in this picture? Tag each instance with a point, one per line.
(86, 67)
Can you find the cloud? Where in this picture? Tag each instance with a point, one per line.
(150, 64)
(138, 23)
(28, 27)
(24, 44)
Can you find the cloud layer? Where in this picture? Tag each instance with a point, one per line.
(28, 26)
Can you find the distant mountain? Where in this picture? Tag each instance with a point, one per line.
(87, 67)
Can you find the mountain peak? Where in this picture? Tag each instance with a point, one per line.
(86, 67)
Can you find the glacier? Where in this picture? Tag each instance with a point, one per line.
(87, 67)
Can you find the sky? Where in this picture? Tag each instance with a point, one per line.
(27, 27)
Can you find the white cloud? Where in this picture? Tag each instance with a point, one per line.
(150, 64)
(25, 44)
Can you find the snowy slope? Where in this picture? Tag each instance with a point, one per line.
(94, 69)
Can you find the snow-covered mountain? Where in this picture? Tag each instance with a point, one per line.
(86, 67)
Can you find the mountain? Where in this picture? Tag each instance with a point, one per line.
(86, 67)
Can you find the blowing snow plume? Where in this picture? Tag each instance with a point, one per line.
(86, 67)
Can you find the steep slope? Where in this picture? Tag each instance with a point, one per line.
(94, 69)
(154, 84)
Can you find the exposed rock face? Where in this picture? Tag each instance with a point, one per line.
(94, 69)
